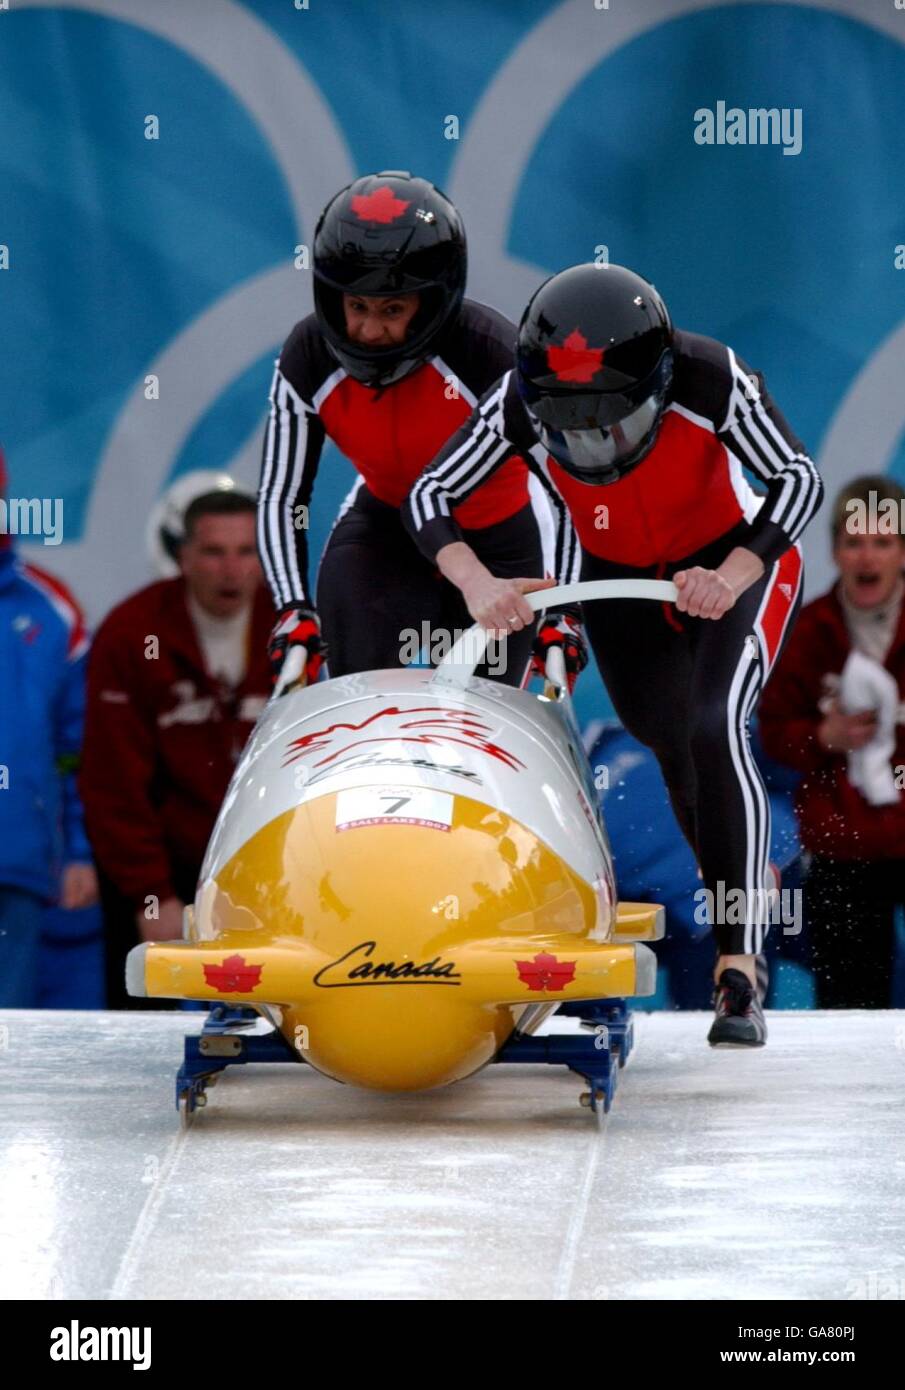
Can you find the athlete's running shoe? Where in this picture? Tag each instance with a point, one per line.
(739, 1020)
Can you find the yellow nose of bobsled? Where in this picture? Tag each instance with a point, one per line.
(400, 956)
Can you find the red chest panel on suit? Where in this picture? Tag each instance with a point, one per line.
(391, 436)
(676, 501)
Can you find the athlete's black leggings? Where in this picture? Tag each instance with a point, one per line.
(686, 687)
(377, 595)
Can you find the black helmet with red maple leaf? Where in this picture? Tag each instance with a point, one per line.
(594, 366)
(388, 234)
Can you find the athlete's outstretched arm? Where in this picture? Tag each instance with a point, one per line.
(292, 448)
(756, 433)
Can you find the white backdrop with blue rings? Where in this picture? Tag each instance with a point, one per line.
(131, 257)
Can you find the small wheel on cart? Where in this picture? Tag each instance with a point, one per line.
(190, 1100)
(598, 1100)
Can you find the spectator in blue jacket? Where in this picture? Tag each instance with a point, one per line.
(44, 851)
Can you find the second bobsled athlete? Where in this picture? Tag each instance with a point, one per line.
(644, 430)
(389, 365)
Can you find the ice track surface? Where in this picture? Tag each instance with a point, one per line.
(717, 1175)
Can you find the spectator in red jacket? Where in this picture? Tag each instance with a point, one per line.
(177, 677)
(814, 719)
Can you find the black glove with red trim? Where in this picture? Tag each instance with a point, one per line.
(560, 630)
(297, 627)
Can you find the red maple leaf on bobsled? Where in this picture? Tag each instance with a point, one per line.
(575, 361)
(234, 976)
(380, 206)
(546, 972)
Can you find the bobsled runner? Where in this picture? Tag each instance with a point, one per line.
(408, 875)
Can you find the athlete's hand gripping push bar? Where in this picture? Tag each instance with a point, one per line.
(459, 665)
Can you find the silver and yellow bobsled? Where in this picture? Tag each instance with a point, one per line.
(406, 865)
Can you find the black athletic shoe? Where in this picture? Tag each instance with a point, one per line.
(739, 1018)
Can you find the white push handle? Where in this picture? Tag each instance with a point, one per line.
(556, 688)
(585, 591)
(556, 677)
(291, 672)
(458, 666)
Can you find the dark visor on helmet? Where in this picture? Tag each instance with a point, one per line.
(598, 450)
(599, 435)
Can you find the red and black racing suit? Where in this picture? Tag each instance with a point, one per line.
(373, 585)
(686, 687)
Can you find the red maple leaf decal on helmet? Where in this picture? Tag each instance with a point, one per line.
(545, 972)
(575, 361)
(380, 206)
(234, 976)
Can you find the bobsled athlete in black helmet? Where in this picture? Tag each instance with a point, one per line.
(645, 432)
(388, 366)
